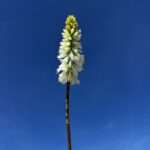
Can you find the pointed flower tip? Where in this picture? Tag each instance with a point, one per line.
(71, 22)
(70, 18)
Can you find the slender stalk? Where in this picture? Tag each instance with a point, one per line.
(67, 108)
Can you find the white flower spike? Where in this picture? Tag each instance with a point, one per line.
(70, 54)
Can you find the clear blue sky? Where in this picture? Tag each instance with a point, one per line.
(110, 110)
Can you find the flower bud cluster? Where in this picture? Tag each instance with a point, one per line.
(70, 54)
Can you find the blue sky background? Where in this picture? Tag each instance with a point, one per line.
(110, 109)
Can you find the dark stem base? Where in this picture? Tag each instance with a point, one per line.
(67, 108)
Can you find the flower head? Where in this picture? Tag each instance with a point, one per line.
(70, 54)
